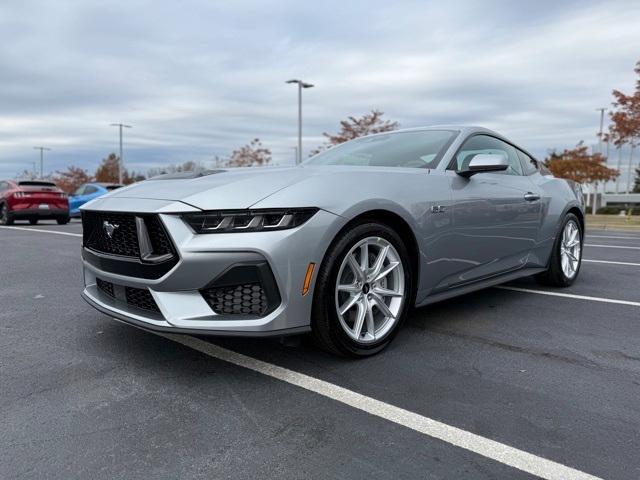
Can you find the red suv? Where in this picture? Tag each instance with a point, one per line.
(32, 200)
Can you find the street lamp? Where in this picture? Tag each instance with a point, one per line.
(120, 168)
(301, 85)
(42, 149)
(595, 185)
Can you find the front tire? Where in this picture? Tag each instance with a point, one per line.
(566, 257)
(33, 221)
(62, 220)
(363, 291)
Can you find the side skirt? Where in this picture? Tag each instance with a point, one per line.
(479, 285)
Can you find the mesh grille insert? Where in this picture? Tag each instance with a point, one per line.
(106, 287)
(141, 298)
(243, 299)
(159, 240)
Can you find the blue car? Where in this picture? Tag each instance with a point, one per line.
(88, 192)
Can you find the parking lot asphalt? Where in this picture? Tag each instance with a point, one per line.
(83, 396)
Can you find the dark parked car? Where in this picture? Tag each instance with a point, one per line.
(32, 200)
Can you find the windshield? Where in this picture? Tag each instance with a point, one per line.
(417, 149)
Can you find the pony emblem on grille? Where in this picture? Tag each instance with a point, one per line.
(109, 228)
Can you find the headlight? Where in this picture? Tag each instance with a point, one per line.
(229, 221)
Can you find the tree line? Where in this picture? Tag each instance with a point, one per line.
(574, 163)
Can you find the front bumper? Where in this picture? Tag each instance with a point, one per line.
(202, 258)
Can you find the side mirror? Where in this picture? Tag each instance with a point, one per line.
(484, 162)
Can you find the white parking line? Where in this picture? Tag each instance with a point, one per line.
(610, 246)
(570, 295)
(43, 231)
(610, 236)
(513, 457)
(612, 263)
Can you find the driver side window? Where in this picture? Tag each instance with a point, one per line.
(80, 190)
(486, 144)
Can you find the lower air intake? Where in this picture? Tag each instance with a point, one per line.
(244, 299)
(141, 298)
(105, 287)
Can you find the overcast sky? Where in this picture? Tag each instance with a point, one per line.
(200, 78)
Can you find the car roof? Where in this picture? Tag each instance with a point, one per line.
(465, 130)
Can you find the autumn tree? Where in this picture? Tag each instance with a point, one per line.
(578, 165)
(70, 179)
(251, 155)
(108, 171)
(353, 127)
(625, 121)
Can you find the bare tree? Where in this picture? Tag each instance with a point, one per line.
(188, 166)
(251, 155)
(353, 127)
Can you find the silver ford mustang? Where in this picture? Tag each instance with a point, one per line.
(342, 245)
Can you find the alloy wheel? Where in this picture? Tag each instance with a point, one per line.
(570, 249)
(370, 290)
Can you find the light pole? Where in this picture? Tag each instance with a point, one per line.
(601, 110)
(42, 149)
(301, 85)
(630, 173)
(595, 185)
(120, 160)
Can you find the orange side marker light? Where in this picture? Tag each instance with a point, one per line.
(307, 279)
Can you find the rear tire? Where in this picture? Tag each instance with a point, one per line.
(33, 221)
(5, 215)
(62, 220)
(566, 257)
(365, 328)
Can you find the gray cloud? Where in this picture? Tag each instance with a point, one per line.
(197, 78)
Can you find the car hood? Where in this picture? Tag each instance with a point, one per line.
(328, 187)
(218, 189)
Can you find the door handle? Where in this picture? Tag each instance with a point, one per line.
(531, 197)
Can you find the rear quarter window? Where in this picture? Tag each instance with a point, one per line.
(529, 164)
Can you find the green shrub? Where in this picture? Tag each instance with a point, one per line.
(609, 210)
(615, 210)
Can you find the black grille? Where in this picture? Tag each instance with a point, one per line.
(124, 240)
(106, 287)
(141, 298)
(159, 240)
(244, 299)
